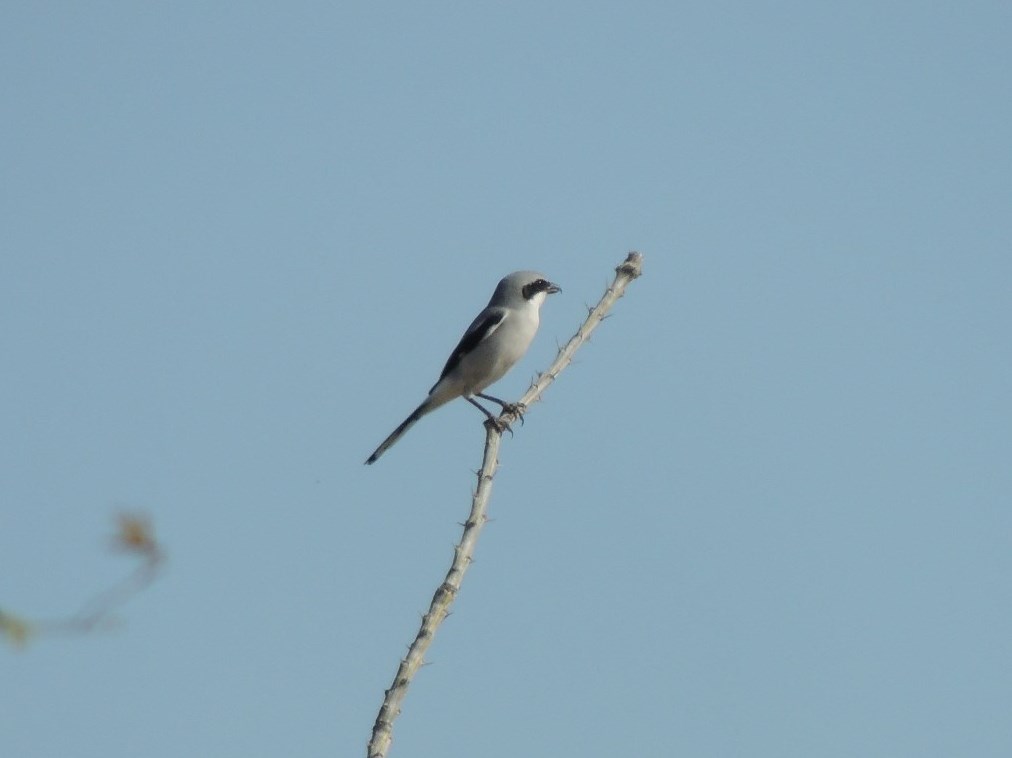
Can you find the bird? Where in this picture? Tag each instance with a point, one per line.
(496, 339)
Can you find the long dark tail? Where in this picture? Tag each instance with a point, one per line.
(397, 433)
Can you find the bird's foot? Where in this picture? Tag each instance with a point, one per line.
(499, 425)
(515, 409)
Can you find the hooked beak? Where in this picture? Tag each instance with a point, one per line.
(553, 288)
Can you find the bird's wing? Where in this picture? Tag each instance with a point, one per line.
(480, 330)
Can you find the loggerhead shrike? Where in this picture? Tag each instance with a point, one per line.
(494, 341)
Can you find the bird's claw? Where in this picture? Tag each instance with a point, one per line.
(515, 409)
(499, 425)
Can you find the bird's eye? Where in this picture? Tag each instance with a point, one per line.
(541, 284)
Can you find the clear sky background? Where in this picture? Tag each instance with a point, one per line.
(766, 513)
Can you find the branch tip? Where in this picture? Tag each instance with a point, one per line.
(632, 266)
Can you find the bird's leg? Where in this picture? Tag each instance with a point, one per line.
(517, 409)
(500, 425)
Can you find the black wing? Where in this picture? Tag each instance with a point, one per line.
(479, 330)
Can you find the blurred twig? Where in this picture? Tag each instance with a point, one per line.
(135, 536)
(382, 731)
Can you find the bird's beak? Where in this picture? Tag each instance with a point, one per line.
(553, 288)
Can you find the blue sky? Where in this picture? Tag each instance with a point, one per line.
(766, 513)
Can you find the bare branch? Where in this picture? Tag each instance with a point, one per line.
(463, 553)
(134, 536)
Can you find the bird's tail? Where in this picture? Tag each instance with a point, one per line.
(397, 433)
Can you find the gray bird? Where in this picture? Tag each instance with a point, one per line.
(492, 344)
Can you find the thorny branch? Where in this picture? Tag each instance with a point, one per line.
(382, 731)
